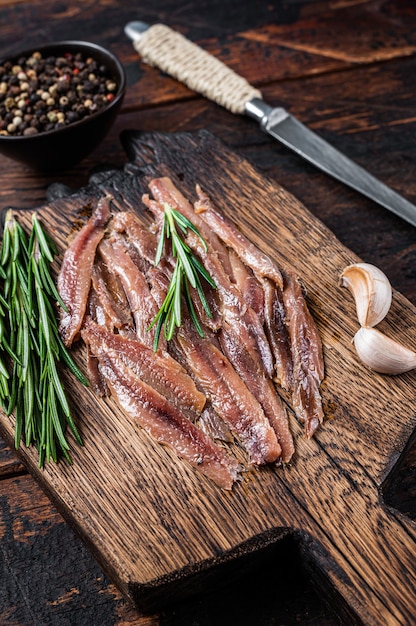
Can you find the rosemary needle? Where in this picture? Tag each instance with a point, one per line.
(187, 273)
(30, 345)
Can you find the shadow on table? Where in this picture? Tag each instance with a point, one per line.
(277, 587)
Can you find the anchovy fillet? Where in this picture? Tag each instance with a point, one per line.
(74, 280)
(166, 423)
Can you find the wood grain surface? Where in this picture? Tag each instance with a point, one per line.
(156, 526)
(345, 69)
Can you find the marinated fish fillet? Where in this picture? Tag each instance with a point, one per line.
(269, 277)
(241, 335)
(231, 305)
(97, 311)
(145, 243)
(212, 424)
(167, 263)
(142, 304)
(277, 333)
(112, 309)
(142, 238)
(245, 344)
(96, 381)
(306, 349)
(159, 369)
(229, 395)
(291, 329)
(164, 191)
(248, 285)
(261, 387)
(74, 280)
(163, 421)
(259, 262)
(238, 320)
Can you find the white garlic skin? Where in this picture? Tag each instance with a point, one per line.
(382, 354)
(371, 290)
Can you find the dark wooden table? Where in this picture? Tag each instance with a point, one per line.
(347, 69)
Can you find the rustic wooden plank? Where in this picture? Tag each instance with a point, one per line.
(10, 464)
(330, 491)
(350, 32)
(47, 575)
(10, 2)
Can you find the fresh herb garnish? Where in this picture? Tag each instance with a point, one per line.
(29, 340)
(187, 273)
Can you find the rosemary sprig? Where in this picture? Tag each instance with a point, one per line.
(187, 273)
(30, 343)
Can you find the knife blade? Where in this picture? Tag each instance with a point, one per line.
(162, 47)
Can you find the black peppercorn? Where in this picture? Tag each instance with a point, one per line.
(38, 94)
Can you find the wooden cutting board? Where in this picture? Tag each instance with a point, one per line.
(161, 530)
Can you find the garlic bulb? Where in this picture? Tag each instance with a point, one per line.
(382, 354)
(371, 290)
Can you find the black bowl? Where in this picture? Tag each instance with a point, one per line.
(61, 148)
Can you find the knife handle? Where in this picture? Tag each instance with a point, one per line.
(162, 47)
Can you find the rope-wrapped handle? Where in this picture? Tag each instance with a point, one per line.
(162, 47)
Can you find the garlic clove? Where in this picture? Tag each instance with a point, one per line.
(382, 354)
(371, 290)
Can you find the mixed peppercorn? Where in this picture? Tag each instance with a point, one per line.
(40, 94)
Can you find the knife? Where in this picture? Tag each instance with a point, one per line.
(162, 47)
